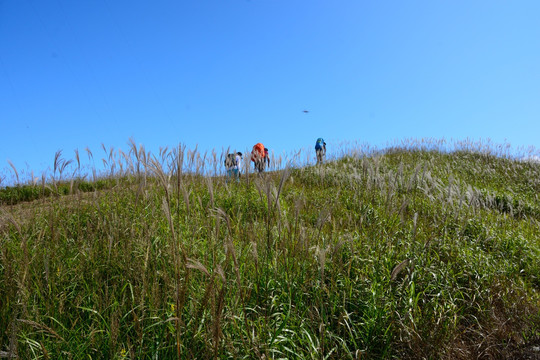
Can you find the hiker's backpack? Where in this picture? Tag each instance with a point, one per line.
(257, 152)
(319, 144)
(230, 161)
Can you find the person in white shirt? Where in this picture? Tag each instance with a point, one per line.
(233, 163)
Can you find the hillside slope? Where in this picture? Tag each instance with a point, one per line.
(401, 254)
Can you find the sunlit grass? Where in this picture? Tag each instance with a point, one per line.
(422, 250)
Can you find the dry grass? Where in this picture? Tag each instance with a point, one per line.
(422, 250)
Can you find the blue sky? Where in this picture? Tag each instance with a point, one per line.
(218, 73)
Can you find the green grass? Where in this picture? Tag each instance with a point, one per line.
(12, 195)
(407, 253)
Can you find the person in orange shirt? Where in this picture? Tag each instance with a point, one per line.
(260, 157)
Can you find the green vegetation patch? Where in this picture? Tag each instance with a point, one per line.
(399, 254)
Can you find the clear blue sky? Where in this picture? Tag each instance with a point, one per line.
(218, 73)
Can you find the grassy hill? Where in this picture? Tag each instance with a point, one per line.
(404, 253)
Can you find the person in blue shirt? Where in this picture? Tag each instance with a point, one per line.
(320, 150)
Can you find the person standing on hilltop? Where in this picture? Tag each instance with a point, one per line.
(259, 156)
(320, 150)
(266, 157)
(232, 164)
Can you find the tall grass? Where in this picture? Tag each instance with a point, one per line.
(420, 250)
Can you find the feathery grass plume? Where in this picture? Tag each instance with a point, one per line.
(14, 171)
(42, 327)
(398, 268)
(113, 161)
(214, 161)
(415, 224)
(255, 255)
(217, 332)
(201, 164)
(247, 167)
(63, 165)
(207, 295)
(186, 194)
(144, 160)
(56, 165)
(222, 215)
(121, 173)
(195, 264)
(163, 153)
(57, 160)
(89, 153)
(210, 186)
(33, 179)
(130, 169)
(78, 159)
(178, 156)
(191, 156)
(284, 175)
(320, 254)
(133, 151)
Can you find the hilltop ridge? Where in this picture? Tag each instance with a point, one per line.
(404, 253)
